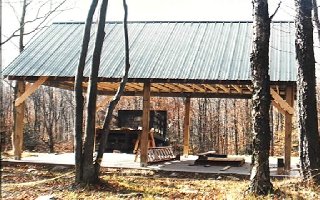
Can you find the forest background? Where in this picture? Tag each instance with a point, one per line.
(216, 124)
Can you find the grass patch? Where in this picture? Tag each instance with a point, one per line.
(29, 182)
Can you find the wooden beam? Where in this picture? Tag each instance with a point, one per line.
(137, 86)
(18, 114)
(161, 87)
(288, 129)
(174, 88)
(211, 88)
(197, 87)
(282, 103)
(185, 87)
(237, 88)
(30, 90)
(249, 88)
(283, 112)
(108, 86)
(185, 94)
(224, 88)
(186, 127)
(144, 140)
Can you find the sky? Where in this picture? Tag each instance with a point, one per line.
(150, 10)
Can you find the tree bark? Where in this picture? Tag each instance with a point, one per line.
(306, 92)
(89, 175)
(116, 98)
(260, 173)
(79, 99)
(316, 17)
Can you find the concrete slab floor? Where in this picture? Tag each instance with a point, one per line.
(122, 160)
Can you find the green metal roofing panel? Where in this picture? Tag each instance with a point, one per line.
(160, 50)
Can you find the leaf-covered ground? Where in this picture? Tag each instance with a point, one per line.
(31, 181)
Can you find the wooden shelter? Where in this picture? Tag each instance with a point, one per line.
(168, 59)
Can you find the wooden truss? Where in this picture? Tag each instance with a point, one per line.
(282, 99)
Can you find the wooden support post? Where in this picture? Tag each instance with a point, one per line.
(288, 129)
(145, 126)
(17, 135)
(186, 128)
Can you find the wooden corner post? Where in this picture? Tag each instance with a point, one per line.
(186, 128)
(18, 114)
(288, 129)
(144, 139)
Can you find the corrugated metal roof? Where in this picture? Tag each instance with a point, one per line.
(160, 50)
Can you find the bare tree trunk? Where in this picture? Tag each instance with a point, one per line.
(89, 175)
(260, 173)
(79, 99)
(116, 98)
(316, 17)
(306, 86)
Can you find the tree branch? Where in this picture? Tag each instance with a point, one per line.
(116, 98)
(38, 27)
(275, 12)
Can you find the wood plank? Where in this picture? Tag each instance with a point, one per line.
(144, 140)
(237, 161)
(186, 127)
(174, 88)
(137, 86)
(224, 88)
(108, 86)
(249, 88)
(283, 112)
(288, 129)
(237, 88)
(161, 87)
(185, 87)
(211, 88)
(282, 103)
(197, 87)
(225, 168)
(30, 90)
(17, 135)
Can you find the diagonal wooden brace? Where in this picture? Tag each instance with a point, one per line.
(30, 89)
(283, 104)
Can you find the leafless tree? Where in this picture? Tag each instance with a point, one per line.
(261, 99)
(306, 92)
(79, 99)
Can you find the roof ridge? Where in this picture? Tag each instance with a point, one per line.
(144, 21)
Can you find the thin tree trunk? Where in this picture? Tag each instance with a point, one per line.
(260, 174)
(89, 175)
(116, 98)
(79, 99)
(316, 17)
(306, 87)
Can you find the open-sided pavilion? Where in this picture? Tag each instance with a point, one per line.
(169, 59)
